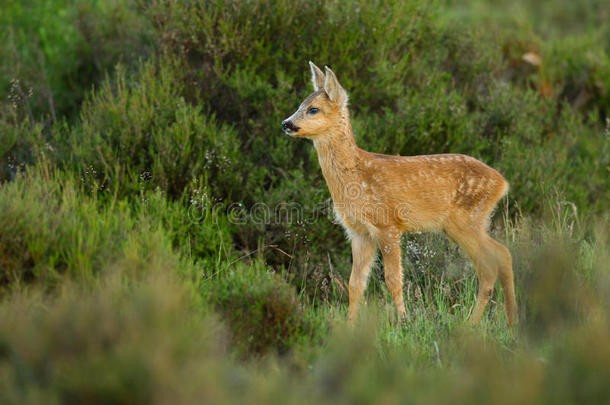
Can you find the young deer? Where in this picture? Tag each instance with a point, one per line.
(379, 197)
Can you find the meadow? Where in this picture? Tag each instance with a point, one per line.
(162, 241)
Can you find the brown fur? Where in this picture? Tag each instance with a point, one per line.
(379, 197)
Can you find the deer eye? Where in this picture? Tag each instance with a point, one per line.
(313, 110)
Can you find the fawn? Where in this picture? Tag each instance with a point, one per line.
(379, 197)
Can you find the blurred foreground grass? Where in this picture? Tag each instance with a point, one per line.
(108, 312)
(151, 340)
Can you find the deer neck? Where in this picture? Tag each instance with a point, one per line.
(338, 157)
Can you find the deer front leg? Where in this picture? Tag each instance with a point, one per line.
(390, 249)
(363, 252)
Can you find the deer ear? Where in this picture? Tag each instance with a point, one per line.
(317, 77)
(334, 90)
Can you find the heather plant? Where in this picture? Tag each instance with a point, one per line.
(139, 137)
(51, 230)
(262, 311)
(55, 52)
(55, 228)
(117, 344)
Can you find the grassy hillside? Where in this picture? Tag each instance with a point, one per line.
(162, 241)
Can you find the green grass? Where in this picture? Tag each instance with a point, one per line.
(139, 140)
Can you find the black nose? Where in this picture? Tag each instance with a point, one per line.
(289, 125)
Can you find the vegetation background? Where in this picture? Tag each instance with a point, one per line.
(140, 145)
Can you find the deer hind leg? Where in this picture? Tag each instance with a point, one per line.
(505, 269)
(487, 272)
(390, 250)
(483, 254)
(363, 253)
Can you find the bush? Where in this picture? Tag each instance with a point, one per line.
(59, 50)
(114, 344)
(21, 144)
(198, 231)
(139, 135)
(261, 309)
(52, 231)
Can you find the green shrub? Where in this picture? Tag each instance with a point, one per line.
(198, 230)
(261, 309)
(141, 134)
(51, 230)
(21, 144)
(117, 343)
(59, 50)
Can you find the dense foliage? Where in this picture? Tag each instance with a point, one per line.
(159, 232)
